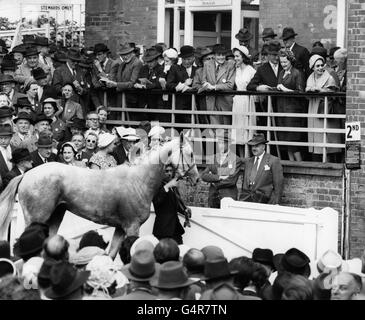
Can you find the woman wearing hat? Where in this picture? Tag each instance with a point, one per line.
(290, 80)
(103, 158)
(68, 155)
(241, 104)
(320, 81)
(51, 110)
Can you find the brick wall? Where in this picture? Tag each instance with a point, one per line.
(313, 20)
(355, 103)
(117, 21)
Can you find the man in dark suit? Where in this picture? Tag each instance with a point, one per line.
(8, 85)
(263, 179)
(6, 165)
(22, 162)
(167, 203)
(44, 152)
(223, 175)
(301, 53)
(44, 89)
(180, 79)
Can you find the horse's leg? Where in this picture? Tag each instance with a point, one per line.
(118, 237)
(56, 218)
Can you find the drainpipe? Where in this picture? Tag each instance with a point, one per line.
(346, 213)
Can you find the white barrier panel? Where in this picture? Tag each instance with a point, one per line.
(239, 227)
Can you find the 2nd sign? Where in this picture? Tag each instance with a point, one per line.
(353, 131)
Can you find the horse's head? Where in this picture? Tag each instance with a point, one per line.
(182, 158)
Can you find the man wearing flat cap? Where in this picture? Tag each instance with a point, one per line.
(263, 179)
(301, 53)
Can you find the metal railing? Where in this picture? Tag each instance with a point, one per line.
(270, 115)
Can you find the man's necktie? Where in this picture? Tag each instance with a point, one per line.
(217, 71)
(254, 171)
(45, 61)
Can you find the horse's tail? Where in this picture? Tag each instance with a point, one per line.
(7, 199)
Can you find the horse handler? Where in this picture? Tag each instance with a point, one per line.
(168, 203)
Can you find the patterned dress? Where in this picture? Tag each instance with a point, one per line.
(102, 161)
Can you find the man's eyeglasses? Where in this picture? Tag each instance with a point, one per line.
(319, 65)
(93, 141)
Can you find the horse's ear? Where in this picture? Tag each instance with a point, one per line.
(182, 137)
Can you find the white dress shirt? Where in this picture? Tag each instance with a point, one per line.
(275, 68)
(6, 153)
(259, 160)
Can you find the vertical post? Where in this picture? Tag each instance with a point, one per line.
(218, 27)
(268, 122)
(161, 21)
(341, 23)
(64, 30)
(346, 228)
(189, 26)
(173, 108)
(124, 116)
(193, 109)
(325, 128)
(56, 26)
(72, 27)
(80, 25)
(176, 31)
(236, 21)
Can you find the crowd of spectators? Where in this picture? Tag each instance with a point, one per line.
(44, 267)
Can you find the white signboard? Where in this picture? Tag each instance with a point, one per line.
(209, 3)
(57, 7)
(353, 131)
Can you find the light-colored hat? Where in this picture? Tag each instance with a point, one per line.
(129, 134)
(170, 53)
(148, 238)
(331, 260)
(243, 49)
(105, 139)
(156, 131)
(355, 266)
(340, 53)
(85, 255)
(313, 59)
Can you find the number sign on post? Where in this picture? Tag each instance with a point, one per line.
(353, 139)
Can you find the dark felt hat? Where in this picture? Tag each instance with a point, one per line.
(30, 242)
(74, 54)
(201, 52)
(44, 277)
(217, 268)
(268, 33)
(264, 256)
(172, 275)
(274, 47)
(243, 35)
(29, 39)
(143, 266)
(186, 52)
(21, 48)
(92, 239)
(65, 279)
(6, 78)
(288, 33)
(38, 73)
(6, 112)
(20, 154)
(320, 51)
(42, 41)
(23, 102)
(44, 141)
(5, 130)
(125, 48)
(100, 47)
(31, 51)
(220, 48)
(151, 54)
(23, 116)
(8, 64)
(258, 138)
(86, 62)
(42, 117)
(296, 261)
(7, 267)
(60, 57)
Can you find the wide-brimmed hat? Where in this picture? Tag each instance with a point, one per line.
(201, 52)
(6, 112)
(172, 275)
(186, 52)
(38, 73)
(243, 35)
(6, 130)
(74, 54)
(151, 54)
(5, 78)
(7, 267)
(273, 47)
(220, 49)
(42, 117)
(29, 39)
(125, 48)
(20, 154)
(268, 33)
(30, 242)
(42, 41)
(212, 252)
(78, 124)
(288, 33)
(31, 51)
(86, 62)
(60, 57)
(44, 141)
(92, 238)
(170, 53)
(100, 47)
(243, 50)
(313, 59)
(85, 255)
(142, 267)
(264, 256)
(23, 102)
(105, 139)
(21, 48)
(217, 268)
(23, 116)
(258, 138)
(296, 261)
(129, 134)
(8, 64)
(65, 279)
